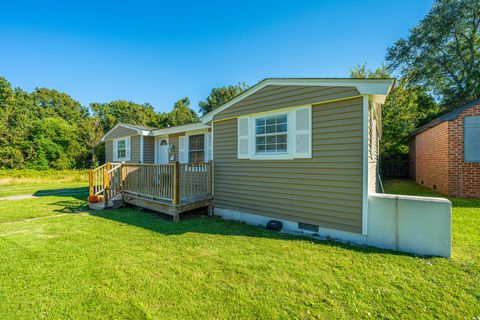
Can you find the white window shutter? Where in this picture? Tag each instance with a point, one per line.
(208, 146)
(242, 135)
(128, 148)
(115, 150)
(182, 152)
(303, 132)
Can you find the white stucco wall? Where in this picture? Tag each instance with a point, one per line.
(420, 225)
(417, 225)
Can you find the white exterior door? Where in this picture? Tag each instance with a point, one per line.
(162, 151)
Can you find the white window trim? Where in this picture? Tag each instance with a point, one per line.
(291, 135)
(289, 155)
(187, 142)
(128, 142)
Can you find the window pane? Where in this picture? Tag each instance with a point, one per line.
(282, 127)
(271, 139)
(282, 147)
(282, 138)
(271, 148)
(260, 140)
(121, 144)
(121, 153)
(260, 130)
(260, 122)
(267, 140)
(271, 129)
(260, 148)
(282, 119)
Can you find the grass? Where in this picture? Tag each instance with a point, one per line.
(26, 181)
(133, 264)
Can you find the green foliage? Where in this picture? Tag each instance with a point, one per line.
(182, 113)
(406, 108)
(442, 53)
(57, 144)
(121, 111)
(221, 95)
(48, 129)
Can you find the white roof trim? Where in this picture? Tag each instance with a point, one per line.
(138, 130)
(178, 129)
(364, 86)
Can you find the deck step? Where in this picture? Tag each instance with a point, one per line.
(114, 203)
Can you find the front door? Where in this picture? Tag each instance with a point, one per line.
(162, 151)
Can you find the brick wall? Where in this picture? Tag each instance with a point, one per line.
(432, 158)
(464, 176)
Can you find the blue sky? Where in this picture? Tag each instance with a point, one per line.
(159, 52)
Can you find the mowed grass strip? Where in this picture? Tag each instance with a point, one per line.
(133, 264)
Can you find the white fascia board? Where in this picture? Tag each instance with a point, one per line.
(179, 129)
(380, 87)
(139, 131)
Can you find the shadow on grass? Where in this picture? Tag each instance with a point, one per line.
(216, 226)
(78, 193)
(77, 201)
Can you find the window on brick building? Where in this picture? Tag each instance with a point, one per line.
(471, 139)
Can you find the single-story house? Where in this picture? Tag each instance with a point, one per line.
(302, 152)
(445, 153)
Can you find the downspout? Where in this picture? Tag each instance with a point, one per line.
(141, 148)
(365, 166)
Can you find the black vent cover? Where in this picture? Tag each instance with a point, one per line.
(307, 227)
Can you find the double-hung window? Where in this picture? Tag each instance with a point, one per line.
(277, 135)
(271, 134)
(121, 149)
(196, 148)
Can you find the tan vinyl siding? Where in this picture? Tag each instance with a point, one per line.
(173, 140)
(135, 149)
(148, 149)
(120, 132)
(325, 190)
(277, 97)
(109, 151)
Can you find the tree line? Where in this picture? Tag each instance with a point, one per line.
(437, 67)
(49, 129)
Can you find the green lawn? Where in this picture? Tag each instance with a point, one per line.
(131, 264)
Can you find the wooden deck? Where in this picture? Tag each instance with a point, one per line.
(170, 189)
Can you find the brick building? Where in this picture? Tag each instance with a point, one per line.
(445, 153)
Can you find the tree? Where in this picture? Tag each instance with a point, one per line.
(182, 113)
(121, 111)
(54, 143)
(442, 52)
(221, 95)
(92, 133)
(52, 103)
(405, 108)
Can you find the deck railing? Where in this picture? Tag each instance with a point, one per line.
(171, 182)
(105, 180)
(150, 180)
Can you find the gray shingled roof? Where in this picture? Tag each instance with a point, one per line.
(452, 115)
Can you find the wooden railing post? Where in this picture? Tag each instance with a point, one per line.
(106, 183)
(176, 183)
(210, 177)
(90, 184)
(122, 176)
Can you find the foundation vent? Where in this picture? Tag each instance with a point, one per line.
(307, 227)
